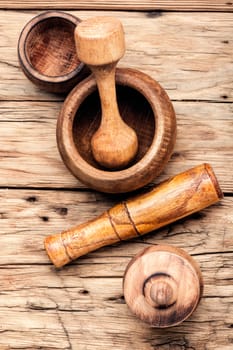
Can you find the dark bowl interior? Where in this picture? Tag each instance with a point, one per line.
(135, 111)
(50, 47)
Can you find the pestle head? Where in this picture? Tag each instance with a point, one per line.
(115, 147)
(100, 41)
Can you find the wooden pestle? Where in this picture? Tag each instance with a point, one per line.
(100, 44)
(163, 285)
(173, 199)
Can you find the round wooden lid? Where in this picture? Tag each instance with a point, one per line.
(162, 285)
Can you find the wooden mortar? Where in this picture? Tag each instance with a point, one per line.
(162, 285)
(143, 105)
(47, 52)
(173, 199)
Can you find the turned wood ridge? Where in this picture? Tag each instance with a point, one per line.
(162, 285)
(100, 44)
(173, 199)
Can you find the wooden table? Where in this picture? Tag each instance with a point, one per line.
(187, 47)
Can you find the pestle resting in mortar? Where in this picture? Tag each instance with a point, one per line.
(100, 44)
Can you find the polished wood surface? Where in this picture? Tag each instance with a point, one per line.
(81, 306)
(47, 52)
(100, 44)
(141, 101)
(163, 285)
(172, 200)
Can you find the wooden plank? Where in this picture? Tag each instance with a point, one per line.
(35, 315)
(29, 155)
(189, 54)
(28, 216)
(168, 5)
(85, 277)
(112, 327)
(81, 306)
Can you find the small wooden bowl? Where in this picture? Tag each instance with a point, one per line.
(47, 52)
(144, 105)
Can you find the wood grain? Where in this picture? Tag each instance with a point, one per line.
(189, 54)
(28, 216)
(58, 309)
(173, 199)
(34, 123)
(163, 285)
(168, 5)
(41, 306)
(54, 321)
(81, 307)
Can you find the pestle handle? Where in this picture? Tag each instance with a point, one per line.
(100, 44)
(173, 199)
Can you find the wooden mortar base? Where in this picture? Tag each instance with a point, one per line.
(144, 105)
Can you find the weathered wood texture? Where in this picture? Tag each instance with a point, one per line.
(138, 216)
(189, 54)
(168, 5)
(59, 309)
(29, 155)
(28, 216)
(81, 307)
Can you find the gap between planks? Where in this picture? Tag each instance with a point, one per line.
(192, 61)
(137, 5)
(27, 217)
(199, 139)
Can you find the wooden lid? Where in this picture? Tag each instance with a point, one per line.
(163, 286)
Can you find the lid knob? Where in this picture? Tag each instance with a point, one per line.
(161, 292)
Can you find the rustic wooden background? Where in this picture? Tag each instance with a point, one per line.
(187, 47)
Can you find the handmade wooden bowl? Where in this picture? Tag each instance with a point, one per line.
(163, 285)
(47, 52)
(143, 105)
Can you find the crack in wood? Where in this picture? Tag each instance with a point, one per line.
(178, 344)
(32, 306)
(212, 253)
(9, 64)
(118, 299)
(64, 328)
